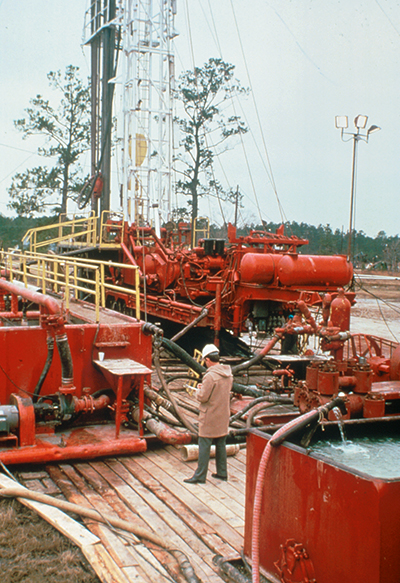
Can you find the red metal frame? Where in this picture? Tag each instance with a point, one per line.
(260, 269)
(23, 352)
(347, 522)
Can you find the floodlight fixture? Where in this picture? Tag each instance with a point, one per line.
(341, 122)
(361, 121)
(373, 129)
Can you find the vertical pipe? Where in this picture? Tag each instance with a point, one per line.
(217, 316)
(103, 291)
(137, 293)
(352, 195)
(67, 290)
(97, 295)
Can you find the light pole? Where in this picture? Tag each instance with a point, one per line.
(341, 122)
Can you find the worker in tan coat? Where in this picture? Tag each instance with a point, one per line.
(214, 411)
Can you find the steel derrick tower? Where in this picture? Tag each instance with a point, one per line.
(133, 68)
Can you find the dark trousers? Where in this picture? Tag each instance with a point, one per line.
(204, 456)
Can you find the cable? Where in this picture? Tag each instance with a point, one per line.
(384, 319)
(190, 34)
(271, 177)
(378, 300)
(15, 385)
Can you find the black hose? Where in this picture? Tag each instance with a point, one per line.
(157, 341)
(252, 361)
(243, 431)
(277, 399)
(256, 409)
(67, 369)
(47, 364)
(193, 323)
(312, 417)
(185, 566)
(200, 369)
(178, 412)
(230, 570)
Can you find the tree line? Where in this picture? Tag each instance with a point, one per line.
(380, 253)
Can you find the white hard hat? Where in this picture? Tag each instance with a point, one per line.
(209, 349)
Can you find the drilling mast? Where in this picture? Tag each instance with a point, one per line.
(131, 46)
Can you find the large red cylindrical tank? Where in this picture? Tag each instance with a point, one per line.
(258, 267)
(315, 270)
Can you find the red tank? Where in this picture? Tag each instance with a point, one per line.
(321, 520)
(259, 268)
(314, 270)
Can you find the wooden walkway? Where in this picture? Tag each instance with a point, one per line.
(201, 520)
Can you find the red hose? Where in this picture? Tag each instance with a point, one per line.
(255, 533)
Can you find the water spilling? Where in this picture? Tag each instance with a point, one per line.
(379, 457)
(338, 415)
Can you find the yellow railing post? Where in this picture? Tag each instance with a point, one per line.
(94, 230)
(137, 293)
(103, 290)
(25, 275)
(66, 266)
(44, 277)
(11, 267)
(97, 295)
(75, 280)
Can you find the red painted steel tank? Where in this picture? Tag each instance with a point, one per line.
(258, 268)
(318, 270)
(322, 521)
(340, 311)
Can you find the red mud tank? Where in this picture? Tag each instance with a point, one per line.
(321, 521)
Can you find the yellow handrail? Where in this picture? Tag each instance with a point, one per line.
(70, 276)
(112, 226)
(80, 231)
(203, 230)
(107, 232)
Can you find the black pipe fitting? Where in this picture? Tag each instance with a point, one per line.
(313, 417)
(67, 369)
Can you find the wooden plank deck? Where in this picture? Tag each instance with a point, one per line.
(201, 520)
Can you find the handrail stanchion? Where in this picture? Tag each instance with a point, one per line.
(75, 280)
(137, 293)
(43, 277)
(103, 290)
(97, 294)
(67, 293)
(25, 275)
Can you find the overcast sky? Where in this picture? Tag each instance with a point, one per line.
(306, 61)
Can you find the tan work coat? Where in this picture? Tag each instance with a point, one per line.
(214, 396)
